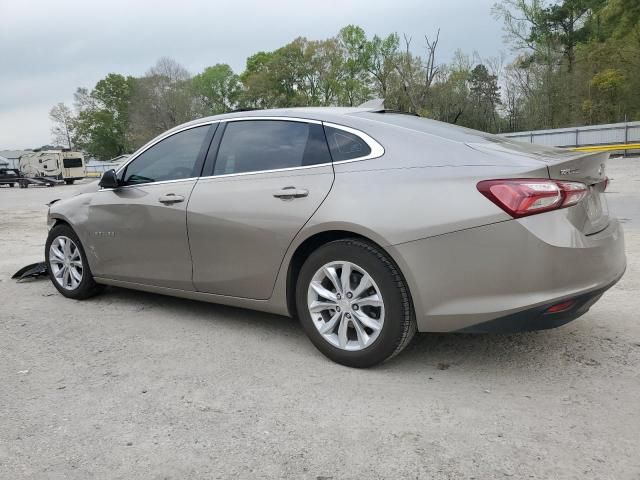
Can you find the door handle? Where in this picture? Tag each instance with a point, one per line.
(170, 198)
(287, 193)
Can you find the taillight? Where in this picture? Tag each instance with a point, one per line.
(520, 197)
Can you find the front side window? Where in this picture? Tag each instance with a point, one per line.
(173, 158)
(345, 145)
(258, 145)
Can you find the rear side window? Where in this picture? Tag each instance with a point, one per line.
(258, 145)
(345, 145)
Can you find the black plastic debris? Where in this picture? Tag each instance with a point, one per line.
(35, 270)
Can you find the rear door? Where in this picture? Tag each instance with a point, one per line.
(267, 180)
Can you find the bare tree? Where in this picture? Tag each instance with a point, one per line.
(63, 124)
(417, 75)
(431, 69)
(162, 99)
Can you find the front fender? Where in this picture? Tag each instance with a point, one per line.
(74, 211)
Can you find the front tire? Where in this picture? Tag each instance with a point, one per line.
(353, 303)
(67, 264)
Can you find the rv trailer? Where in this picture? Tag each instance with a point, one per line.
(58, 164)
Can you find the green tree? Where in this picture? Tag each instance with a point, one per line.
(217, 88)
(382, 58)
(260, 85)
(102, 122)
(355, 82)
(485, 97)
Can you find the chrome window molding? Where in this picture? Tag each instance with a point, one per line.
(287, 119)
(139, 185)
(275, 170)
(377, 150)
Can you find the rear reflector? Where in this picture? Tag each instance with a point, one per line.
(561, 307)
(520, 197)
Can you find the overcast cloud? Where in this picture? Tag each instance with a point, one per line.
(48, 49)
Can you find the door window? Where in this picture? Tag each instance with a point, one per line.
(258, 145)
(173, 158)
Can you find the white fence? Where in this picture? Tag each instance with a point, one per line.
(97, 169)
(607, 134)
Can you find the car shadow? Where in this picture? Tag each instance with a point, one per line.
(198, 311)
(427, 353)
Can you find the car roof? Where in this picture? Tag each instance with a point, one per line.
(375, 121)
(311, 113)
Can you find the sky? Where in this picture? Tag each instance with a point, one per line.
(48, 49)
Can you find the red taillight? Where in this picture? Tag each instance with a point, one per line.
(520, 197)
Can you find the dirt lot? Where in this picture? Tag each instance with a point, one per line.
(134, 385)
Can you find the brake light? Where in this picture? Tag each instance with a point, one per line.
(520, 197)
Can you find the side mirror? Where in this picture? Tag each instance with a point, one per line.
(109, 179)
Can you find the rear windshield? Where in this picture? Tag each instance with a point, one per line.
(72, 162)
(433, 127)
(473, 138)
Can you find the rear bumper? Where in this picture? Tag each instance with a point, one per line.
(501, 277)
(539, 318)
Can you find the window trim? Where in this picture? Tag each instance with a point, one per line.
(377, 150)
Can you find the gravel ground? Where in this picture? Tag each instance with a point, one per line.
(136, 385)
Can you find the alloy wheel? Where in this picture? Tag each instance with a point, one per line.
(346, 305)
(65, 262)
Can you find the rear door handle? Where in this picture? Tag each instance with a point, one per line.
(288, 193)
(170, 198)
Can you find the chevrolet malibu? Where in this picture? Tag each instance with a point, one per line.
(365, 224)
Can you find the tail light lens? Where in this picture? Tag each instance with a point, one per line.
(520, 197)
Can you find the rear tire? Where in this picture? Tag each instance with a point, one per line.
(380, 319)
(11, 185)
(69, 182)
(67, 264)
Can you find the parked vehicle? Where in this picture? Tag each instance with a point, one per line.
(58, 164)
(9, 176)
(365, 224)
(13, 176)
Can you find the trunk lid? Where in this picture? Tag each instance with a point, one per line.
(592, 214)
(590, 169)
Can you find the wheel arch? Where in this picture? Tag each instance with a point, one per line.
(56, 219)
(317, 240)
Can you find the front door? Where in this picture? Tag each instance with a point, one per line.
(269, 177)
(138, 231)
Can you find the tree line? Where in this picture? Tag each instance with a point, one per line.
(577, 62)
